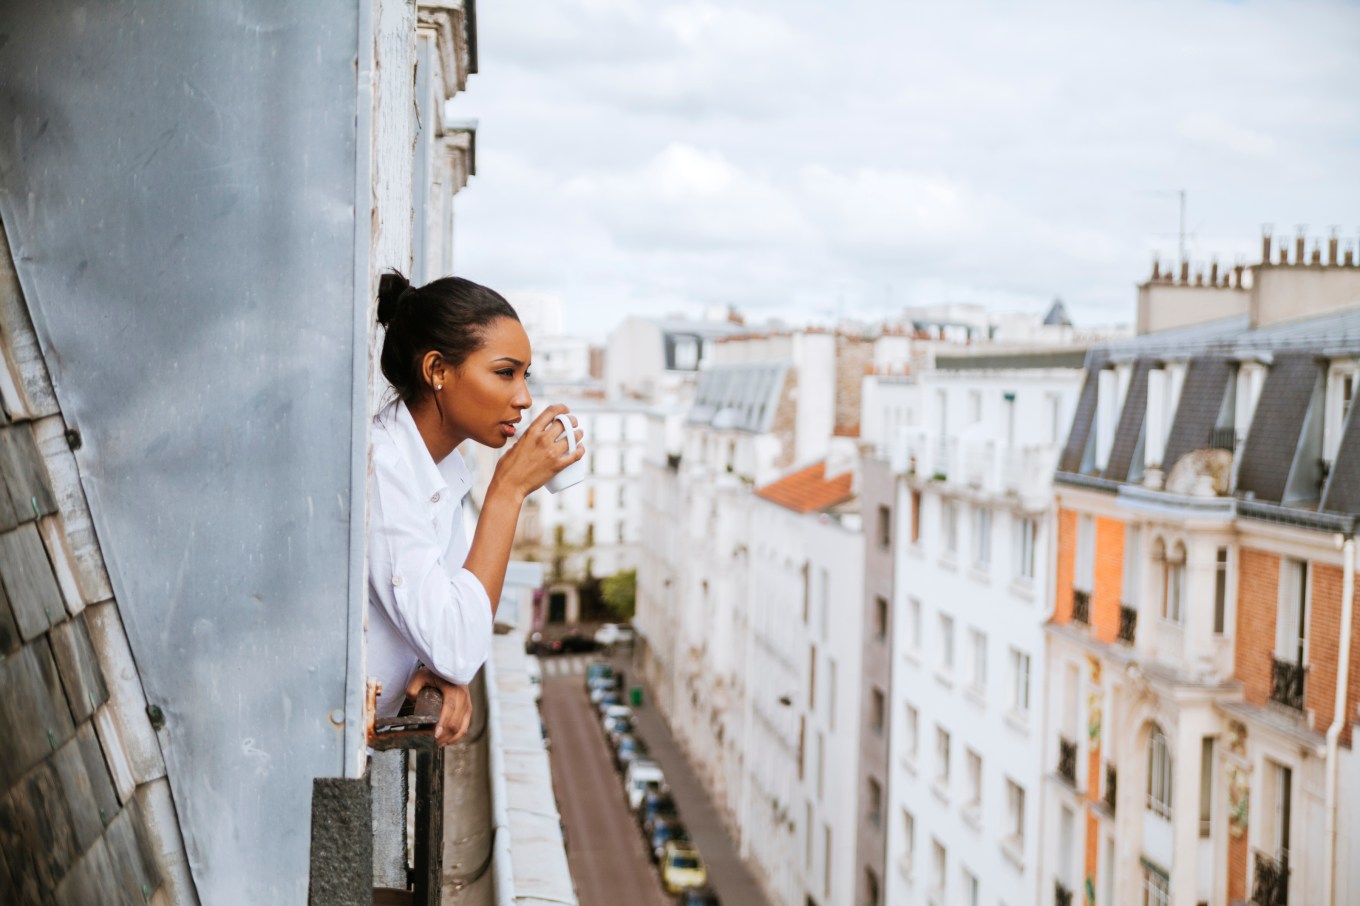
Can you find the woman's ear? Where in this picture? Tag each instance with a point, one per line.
(432, 369)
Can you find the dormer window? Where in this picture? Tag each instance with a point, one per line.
(1342, 380)
(1171, 564)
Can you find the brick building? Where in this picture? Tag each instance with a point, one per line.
(1197, 739)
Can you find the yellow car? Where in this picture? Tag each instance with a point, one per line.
(682, 867)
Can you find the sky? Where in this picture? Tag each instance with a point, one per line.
(811, 161)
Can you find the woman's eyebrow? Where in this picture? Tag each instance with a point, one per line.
(513, 361)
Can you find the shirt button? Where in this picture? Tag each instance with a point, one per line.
(435, 498)
(396, 580)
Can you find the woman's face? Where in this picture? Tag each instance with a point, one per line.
(485, 397)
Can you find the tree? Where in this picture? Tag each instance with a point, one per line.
(620, 593)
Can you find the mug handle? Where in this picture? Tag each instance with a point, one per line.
(569, 431)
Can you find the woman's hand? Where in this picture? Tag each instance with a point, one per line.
(539, 454)
(456, 715)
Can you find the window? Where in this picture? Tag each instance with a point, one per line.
(908, 840)
(1156, 886)
(1279, 803)
(1133, 544)
(824, 594)
(915, 517)
(1173, 583)
(623, 495)
(876, 712)
(911, 734)
(941, 756)
(1055, 425)
(1067, 835)
(1019, 681)
(1160, 775)
(807, 592)
(1206, 786)
(1221, 591)
(826, 860)
(949, 519)
(831, 693)
(621, 533)
(1084, 579)
(939, 864)
(812, 678)
(880, 618)
(913, 625)
(1291, 625)
(1027, 530)
(885, 527)
(810, 828)
(1015, 814)
(871, 891)
(590, 535)
(821, 764)
(874, 799)
(982, 536)
(970, 888)
(978, 643)
(947, 643)
(973, 766)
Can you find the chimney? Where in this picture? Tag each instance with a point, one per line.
(1185, 271)
(1349, 260)
(1156, 270)
(1237, 275)
(1199, 278)
(1317, 254)
(1213, 272)
(1265, 246)
(1332, 241)
(1299, 243)
(1284, 254)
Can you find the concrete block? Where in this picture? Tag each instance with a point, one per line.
(63, 560)
(28, 581)
(75, 512)
(127, 702)
(78, 792)
(342, 843)
(88, 880)
(97, 773)
(33, 711)
(9, 630)
(135, 872)
(30, 490)
(79, 668)
(162, 828)
(35, 830)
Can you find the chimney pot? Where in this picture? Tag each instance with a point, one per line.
(1299, 247)
(1156, 270)
(1265, 248)
(1237, 275)
(1332, 243)
(1213, 273)
(1349, 258)
(1284, 254)
(1317, 254)
(1199, 278)
(1185, 271)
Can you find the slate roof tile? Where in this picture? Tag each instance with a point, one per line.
(33, 711)
(1083, 420)
(79, 668)
(28, 581)
(1206, 382)
(1343, 486)
(1130, 429)
(30, 491)
(36, 831)
(808, 490)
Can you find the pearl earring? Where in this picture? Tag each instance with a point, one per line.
(438, 386)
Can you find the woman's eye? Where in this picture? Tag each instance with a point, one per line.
(506, 372)
(527, 375)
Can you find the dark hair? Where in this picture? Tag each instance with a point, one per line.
(449, 315)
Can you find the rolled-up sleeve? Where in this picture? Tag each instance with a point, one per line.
(443, 613)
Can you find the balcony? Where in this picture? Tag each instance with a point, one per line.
(1111, 787)
(1062, 895)
(986, 465)
(1067, 760)
(1270, 886)
(1081, 607)
(1286, 684)
(1128, 623)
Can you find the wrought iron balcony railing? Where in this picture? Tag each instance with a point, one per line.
(1111, 787)
(1128, 623)
(1067, 760)
(1062, 895)
(1081, 606)
(1286, 684)
(1223, 439)
(1270, 886)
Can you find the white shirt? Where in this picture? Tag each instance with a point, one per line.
(423, 606)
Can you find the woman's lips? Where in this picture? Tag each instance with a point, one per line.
(508, 429)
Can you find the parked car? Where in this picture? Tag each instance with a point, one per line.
(664, 832)
(611, 634)
(641, 777)
(614, 727)
(606, 701)
(598, 670)
(538, 644)
(576, 643)
(699, 896)
(658, 806)
(682, 868)
(627, 750)
(604, 685)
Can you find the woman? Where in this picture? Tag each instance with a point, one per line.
(457, 359)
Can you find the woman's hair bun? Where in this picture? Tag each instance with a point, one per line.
(391, 287)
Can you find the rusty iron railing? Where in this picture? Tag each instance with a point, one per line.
(413, 731)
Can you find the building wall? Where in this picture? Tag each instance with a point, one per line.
(1258, 593)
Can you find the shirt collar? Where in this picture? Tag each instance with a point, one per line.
(431, 478)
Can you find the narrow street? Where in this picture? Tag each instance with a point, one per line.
(608, 860)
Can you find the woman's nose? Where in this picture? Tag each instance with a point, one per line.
(522, 399)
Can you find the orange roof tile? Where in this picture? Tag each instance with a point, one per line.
(808, 490)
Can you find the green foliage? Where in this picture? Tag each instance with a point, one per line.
(620, 593)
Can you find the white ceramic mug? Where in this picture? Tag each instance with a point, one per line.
(573, 473)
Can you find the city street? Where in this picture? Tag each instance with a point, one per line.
(604, 847)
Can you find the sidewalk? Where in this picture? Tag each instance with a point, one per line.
(728, 875)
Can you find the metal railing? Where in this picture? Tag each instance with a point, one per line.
(1081, 606)
(1270, 886)
(1223, 439)
(414, 732)
(1111, 787)
(1062, 894)
(1128, 623)
(1067, 760)
(1286, 683)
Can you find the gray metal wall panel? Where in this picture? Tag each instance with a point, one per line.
(178, 185)
(1206, 381)
(1277, 424)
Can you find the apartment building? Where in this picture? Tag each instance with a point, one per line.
(978, 436)
(1197, 746)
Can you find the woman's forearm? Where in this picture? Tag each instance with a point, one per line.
(489, 555)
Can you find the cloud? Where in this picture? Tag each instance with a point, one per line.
(1215, 131)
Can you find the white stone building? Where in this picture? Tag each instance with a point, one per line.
(976, 438)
